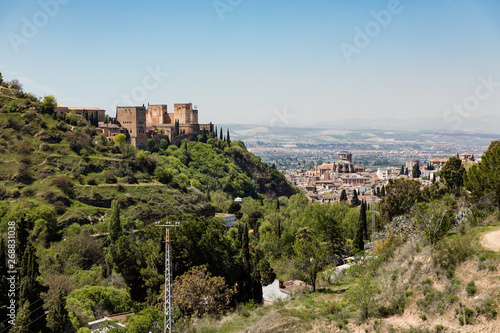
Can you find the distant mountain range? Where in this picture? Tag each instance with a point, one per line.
(472, 131)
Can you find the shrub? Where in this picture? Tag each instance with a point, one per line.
(471, 288)
(91, 181)
(109, 177)
(453, 250)
(64, 184)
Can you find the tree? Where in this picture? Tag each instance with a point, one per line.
(23, 319)
(197, 293)
(415, 173)
(343, 196)
(30, 291)
(114, 222)
(355, 200)
(148, 320)
(402, 171)
(4, 300)
(363, 296)
(310, 256)
(58, 317)
(15, 84)
(164, 175)
(453, 173)
(361, 231)
(435, 219)
(221, 137)
(152, 145)
(403, 194)
(228, 139)
(164, 144)
(49, 104)
(176, 128)
(382, 193)
(483, 179)
(120, 139)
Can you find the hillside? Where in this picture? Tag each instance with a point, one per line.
(405, 289)
(59, 159)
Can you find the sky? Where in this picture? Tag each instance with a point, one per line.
(284, 63)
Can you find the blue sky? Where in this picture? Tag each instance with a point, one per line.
(268, 62)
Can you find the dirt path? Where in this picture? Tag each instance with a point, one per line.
(491, 240)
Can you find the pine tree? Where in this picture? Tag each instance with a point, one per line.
(343, 196)
(114, 223)
(58, 318)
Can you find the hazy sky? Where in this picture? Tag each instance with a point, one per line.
(273, 62)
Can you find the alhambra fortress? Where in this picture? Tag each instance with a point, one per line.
(140, 123)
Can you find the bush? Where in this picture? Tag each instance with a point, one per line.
(64, 184)
(163, 175)
(471, 288)
(453, 250)
(91, 181)
(109, 177)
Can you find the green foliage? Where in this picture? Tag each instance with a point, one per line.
(58, 317)
(483, 180)
(403, 194)
(310, 256)
(148, 320)
(471, 288)
(453, 173)
(114, 222)
(435, 219)
(120, 139)
(363, 295)
(49, 104)
(89, 301)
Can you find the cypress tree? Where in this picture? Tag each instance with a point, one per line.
(355, 200)
(4, 286)
(402, 171)
(22, 319)
(30, 290)
(221, 136)
(228, 138)
(382, 192)
(114, 226)
(362, 219)
(415, 173)
(58, 318)
(358, 238)
(343, 196)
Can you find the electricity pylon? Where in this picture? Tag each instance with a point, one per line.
(169, 297)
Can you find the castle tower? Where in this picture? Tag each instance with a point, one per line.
(133, 119)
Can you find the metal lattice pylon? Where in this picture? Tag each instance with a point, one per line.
(169, 296)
